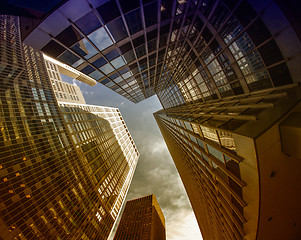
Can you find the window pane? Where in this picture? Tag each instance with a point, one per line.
(69, 36)
(101, 39)
(117, 29)
(96, 75)
(134, 22)
(88, 23)
(118, 62)
(216, 153)
(85, 49)
(68, 58)
(107, 68)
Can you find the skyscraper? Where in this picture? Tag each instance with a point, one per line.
(64, 170)
(239, 160)
(191, 50)
(142, 219)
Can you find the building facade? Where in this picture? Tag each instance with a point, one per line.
(183, 51)
(142, 219)
(55, 183)
(63, 91)
(239, 160)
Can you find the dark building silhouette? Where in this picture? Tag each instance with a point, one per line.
(142, 219)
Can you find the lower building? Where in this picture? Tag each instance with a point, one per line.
(142, 219)
(239, 160)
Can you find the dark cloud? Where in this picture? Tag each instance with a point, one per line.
(155, 172)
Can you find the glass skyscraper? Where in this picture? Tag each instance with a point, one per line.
(183, 51)
(65, 168)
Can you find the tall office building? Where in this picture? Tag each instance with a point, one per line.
(142, 219)
(191, 50)
(64, 171)
(239, 160)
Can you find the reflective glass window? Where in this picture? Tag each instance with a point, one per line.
(99, 62)
(127, 5)
(77, 63)
(140, 51)
(96, 75)
(151, 14)
(53, 49)
(118, 62)
(127, 75)
(108, 11)
(219, 15)
(111, 55)
(129, 56)
(100, 38)
(84, 49)
(259, 80)
(107, 68)
(118, 80)
(69, 36)
(117, 29)
(134, 21)
(215, 153)
(88, 23)
(68, 58)
(87, 70)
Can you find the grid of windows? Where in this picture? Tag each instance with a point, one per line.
(52, 185)
(203, 138)
(142, 219)
(184, 51)
(62, 90)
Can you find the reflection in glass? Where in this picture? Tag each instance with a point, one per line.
(100, 38)
(68, 58)
(118, 62)
(96, 75)
(85, 49)
(107, 68)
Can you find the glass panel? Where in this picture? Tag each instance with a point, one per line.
(111, 55)
(209, 133)
(99, 62)
(134, 22)
(87, 69)
(88, 23)
(107, 68)
(69, 36)
(117, 29)
(215, 153)
(96, 75)
(127, 75)
(101, 39)
(151, 14)
(84, 49)
(108, 11)
(68, 58)
(79, 62)
(226, 140)
(129, 56)
(118, 62)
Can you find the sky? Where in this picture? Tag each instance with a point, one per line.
(155, 172)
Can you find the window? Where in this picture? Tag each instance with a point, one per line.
(88, 23)
(100, 38)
